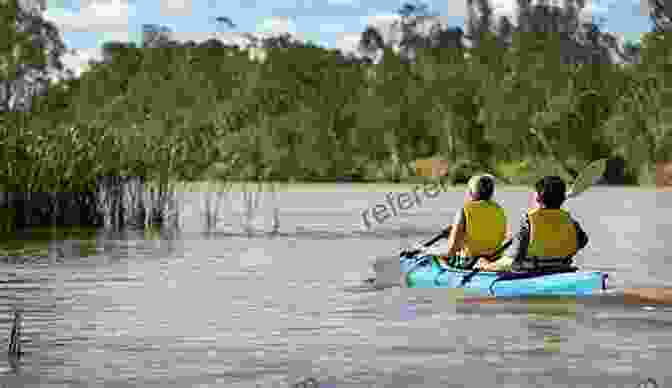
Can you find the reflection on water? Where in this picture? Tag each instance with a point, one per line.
(186, 308)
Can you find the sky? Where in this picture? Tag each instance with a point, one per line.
(86, 24)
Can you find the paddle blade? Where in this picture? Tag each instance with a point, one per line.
(588, 177)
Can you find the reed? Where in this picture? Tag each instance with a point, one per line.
(15, 335)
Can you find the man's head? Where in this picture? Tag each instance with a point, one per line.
(551, 191)
(481, 187)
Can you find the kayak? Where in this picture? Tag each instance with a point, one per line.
(427, 272)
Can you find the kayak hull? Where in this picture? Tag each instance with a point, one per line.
(426, 272)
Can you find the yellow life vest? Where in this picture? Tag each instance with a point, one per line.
(552, 234)
(485, 228)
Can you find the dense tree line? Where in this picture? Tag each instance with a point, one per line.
(170, 111)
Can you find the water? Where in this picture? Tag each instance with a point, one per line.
(190, 309)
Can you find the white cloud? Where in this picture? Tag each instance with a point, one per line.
(96, 16)
(348, 42)
(380, 20)
(198, 36)
(383, 22)
(457, 9)
(593, 8)
(77, 60)
(175, 7)
(504, 8)
(119, 36)
(227, 37)
(277, 25)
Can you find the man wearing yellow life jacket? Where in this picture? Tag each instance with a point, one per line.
(479, 228)
(548, 237)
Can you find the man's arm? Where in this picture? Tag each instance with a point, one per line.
(581, 236)
(521, 241)
(456, 238)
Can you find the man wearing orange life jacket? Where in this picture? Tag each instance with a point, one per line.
(548, 237)
(479, 228)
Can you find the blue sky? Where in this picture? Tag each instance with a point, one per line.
(86, 24)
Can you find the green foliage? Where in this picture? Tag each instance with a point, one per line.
(30, 48)
(190, 111)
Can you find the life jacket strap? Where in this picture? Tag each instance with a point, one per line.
(542, 264)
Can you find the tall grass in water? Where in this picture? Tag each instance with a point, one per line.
(136, 202)
(214, 194)
(254, 196)
(15, 336)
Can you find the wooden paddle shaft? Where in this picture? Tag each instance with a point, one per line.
(647, 295)
(631, 296)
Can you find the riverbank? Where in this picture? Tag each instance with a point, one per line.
(382, 187)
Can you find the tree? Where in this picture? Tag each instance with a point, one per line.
(30, 51)
(413, 18)
(660, 15)
(154, 35)
(225, 20)
(640, 128)
(479, 20)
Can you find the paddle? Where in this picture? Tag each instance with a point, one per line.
(379, 267)
(628, 296)
(588, 177)
(647, 296)
(444, 234)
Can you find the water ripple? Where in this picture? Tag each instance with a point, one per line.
(228, 309)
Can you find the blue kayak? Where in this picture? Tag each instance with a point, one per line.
(427, 272)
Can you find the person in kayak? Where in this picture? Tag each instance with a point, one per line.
(479, 227)
(548, 236)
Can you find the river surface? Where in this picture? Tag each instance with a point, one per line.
(186, 308)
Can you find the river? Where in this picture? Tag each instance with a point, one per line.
(223, 309)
